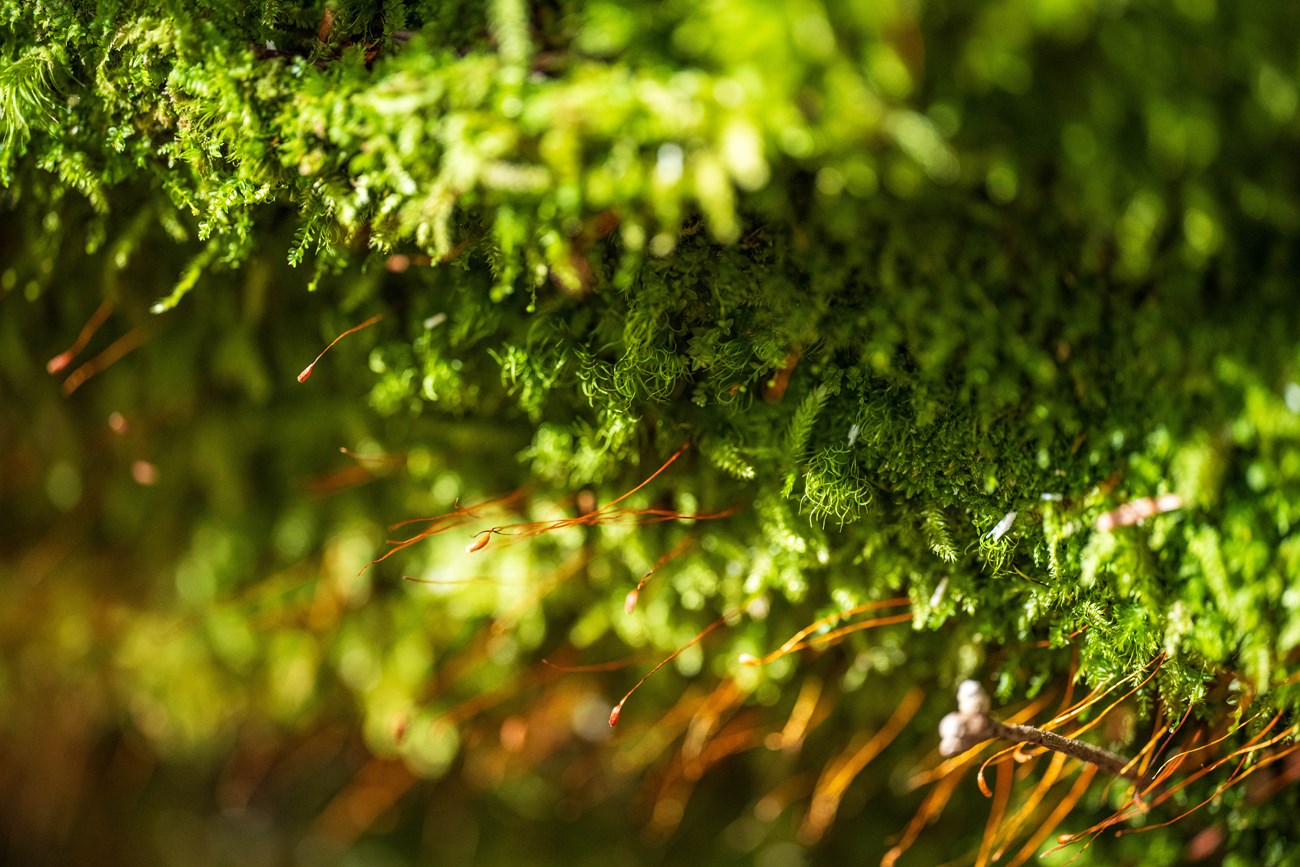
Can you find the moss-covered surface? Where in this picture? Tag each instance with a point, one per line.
(894, 271)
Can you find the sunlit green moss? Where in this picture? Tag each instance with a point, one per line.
(930, 290)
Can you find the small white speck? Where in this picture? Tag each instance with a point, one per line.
(1050, 498)
(853, 434)
(1002, 526)
(937, 596)
(434, 321)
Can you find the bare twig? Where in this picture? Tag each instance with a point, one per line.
(972, 725)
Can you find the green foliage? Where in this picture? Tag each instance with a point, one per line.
(930, 289)
(26, 89)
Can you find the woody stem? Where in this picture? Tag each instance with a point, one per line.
(1104, 759)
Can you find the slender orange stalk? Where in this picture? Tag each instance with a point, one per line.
(127, 343)
(528, 529)
(1180, 756)
(655, 739)
(796, 727)
(618, 708)
(947, 767)
(440, 523)
(612, 665)
(998, 759)
(931, 807)
(97, 319)
(820, 642)
(782, 795)
(1101, 716)
(1244, 752)
(459, 510)
(998, 809)
(666, 464)
(1057, 815)
(714, 717)
(629, 604)
(1166, 770)
(795, 641)
(1186, 716)
(596, 516)
(1031, 804)
(1099, 693)
(834, 782)
(306, 371)
(1236, 777)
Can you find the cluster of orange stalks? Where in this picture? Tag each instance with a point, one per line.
(719, 726)
(801, 640)
(127, 343)
(709, 736)
(813, 636)
(610, 513)
(1152, 789)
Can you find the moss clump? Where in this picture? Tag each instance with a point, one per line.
(931, 289)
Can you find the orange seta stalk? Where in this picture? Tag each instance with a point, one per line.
(1062, 809)
(1101, 692)
(618, 708)
(118, 349)
(603, 515)
(306, 371)
(820, 642)
(1167, 771)
(1012, 826)
(438, 523)
(629, 604)
(1002, 796)
(796, 642)
(97, 319)
(834, 781)
(612, 665)
(931, 807)
(596, 516)
(801, 715)
(666, 464)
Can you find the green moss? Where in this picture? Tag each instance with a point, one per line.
(931, 289)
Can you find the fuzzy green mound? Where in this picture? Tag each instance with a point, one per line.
(993, 308)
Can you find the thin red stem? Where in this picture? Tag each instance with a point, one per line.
(306, 371)
(97, 319)
(125, 344)
(618, 708)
